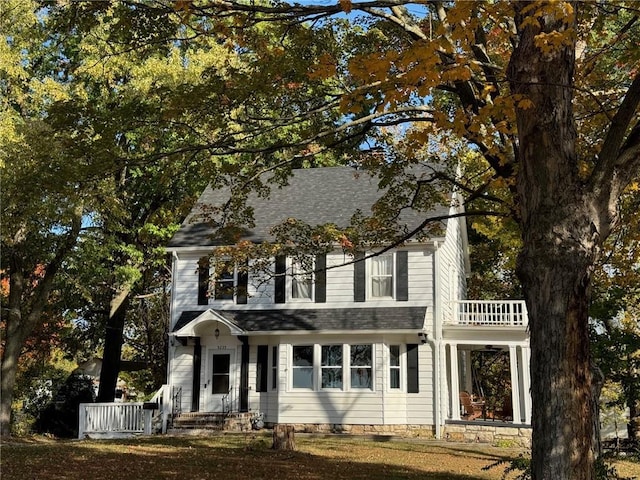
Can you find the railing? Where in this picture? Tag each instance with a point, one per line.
(484, 312)
(107, 419)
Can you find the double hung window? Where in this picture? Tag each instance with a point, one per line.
(361, 363)
(302, 366)
(381, 276)
(331, 366)
(301, 279)
(394, 366)
(225, 280)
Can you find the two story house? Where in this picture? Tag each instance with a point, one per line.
(371, 343)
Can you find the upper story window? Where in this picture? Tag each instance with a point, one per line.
(301, 279)
(381, 276)
(225, 281)
(229, 282)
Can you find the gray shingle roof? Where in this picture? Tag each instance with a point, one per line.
(388, 318)
(316, 196)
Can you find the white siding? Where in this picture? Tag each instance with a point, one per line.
(339, 285)
(420, 405)
(182, 375)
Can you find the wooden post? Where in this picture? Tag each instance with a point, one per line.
(283, 437)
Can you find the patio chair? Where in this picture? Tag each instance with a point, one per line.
(472, 410)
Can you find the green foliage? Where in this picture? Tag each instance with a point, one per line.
(60, 416)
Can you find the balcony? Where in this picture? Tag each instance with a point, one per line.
(496, 313)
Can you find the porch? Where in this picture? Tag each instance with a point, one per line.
(486, 354)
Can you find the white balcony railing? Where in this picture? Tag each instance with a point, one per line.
(107, 419)
(511, 313)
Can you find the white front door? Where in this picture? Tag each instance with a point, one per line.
(219, 386)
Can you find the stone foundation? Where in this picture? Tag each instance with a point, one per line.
(422, 431)
(502, 436)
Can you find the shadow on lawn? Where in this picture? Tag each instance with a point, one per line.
(224, 458)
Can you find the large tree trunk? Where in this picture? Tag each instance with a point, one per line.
(560, 244)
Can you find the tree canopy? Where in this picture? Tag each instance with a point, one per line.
(541, 98)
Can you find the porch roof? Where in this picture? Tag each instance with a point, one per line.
(313, 320)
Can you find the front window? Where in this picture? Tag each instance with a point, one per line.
(303, 366)
(301, 280)
(274, 367)
(361, 366)
(331, 366)
(382, 276)
(394, 366)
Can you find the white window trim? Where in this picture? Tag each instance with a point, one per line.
(346, 368)
(235, 286)
(314, 380)
(372, 367)
(369, 276)
(402, 367)
(289, 283)
(273, 369)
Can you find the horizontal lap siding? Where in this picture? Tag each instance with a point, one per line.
(420, 405)
(339, 280)
(330, 407)
(339, 285)
(182, 375)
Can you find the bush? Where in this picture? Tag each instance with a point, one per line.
(60, 416)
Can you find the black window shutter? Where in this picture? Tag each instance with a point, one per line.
(321, 278)
(412, 368)
(280, 283)
(359, 278)
(262, 368)
(243, 285)
(402, 276)
(203, 281)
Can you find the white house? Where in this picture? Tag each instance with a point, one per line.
(382, 344)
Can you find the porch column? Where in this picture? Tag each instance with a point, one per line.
(454, 382)
(526, 382)
(197, 368)
(244, 373)
(515, 383)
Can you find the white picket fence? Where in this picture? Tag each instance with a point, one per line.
(489, 312)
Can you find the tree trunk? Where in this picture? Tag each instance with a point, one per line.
(26, 304)
(559, 222)
(9, 368)
(113, 347)
(283, 437)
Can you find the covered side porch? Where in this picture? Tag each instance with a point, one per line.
(486, 356)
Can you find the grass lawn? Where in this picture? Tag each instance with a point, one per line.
(249, 457)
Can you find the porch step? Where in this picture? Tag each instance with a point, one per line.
(231, 422)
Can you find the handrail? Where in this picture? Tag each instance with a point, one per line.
(491, 312)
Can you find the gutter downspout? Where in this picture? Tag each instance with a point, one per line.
(437, 326)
